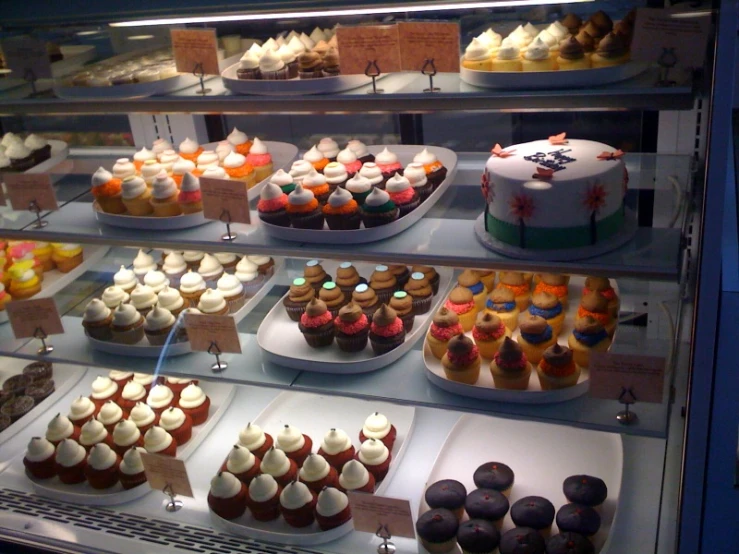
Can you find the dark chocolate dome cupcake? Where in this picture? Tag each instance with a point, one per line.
(494, 475)
(585, 489)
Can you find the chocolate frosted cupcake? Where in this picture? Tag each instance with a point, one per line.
(315, 275)
(585, 489)
(572, 55)
(378, 209)
(569, 543)
(331, 63)
(420, 291)
(448, 494)
(39, 370)
(535, 512)
(317, 325)
(366, 298)
(510, 368)
(298, 297)
(387, 331)
(612, 50)
(40, 390)
(333, 297)
(586, 41)
(522, 540)
(572, 22)
(402, 303)
(352, 328)
(17, 407)
(384, 283)
(578, 518)
(310, 65)
(347, 278)
(437, 530)
(487, 504)
(478, 536)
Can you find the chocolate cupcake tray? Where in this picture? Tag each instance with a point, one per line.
(541, 457)
(220, 395)
(282, 153)
(485, 389)
(359, 236)
(282, 342)
(299, 409)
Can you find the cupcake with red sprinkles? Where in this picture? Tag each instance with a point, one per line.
(462, 303)
(272, 206)
(489, 333)
(349, 160)
(388, 163)
(260, 159)
(352, 328)
(445, 326)
(317, 325)
(387, 331)
(304, 210)
(402, 194)
(342, 211)
(190, 197)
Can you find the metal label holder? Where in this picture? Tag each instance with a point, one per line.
(35, 208)
(373, 70)
(226, 218)
(200, 74)
(219, 365)
(627, 398)
(429, 69)
(386, 547)
(174, 504)
(45, 348)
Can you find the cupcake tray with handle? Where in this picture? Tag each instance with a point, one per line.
(336, 412)
(54, 280)
(358, 236)
(541, 459)
(143, 349)
(485, 389)
(220, 395)
(282, 153)
(282, 342)
(534, 80)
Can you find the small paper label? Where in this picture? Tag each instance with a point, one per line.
(24, 188)
(166, 472)
(27, 58)
(195, 51)
(665, 37)
(627, 377)
(34, 318)
(371, 512)
(420, 42)
(224, 199)
(212, 332)
(359, 46)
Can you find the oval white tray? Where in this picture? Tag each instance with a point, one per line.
(516, 80)
(54, 280)
(220, 395)
(283, 155)
(282, 342)
(334, 411)
(135, 90)
(485, 389)
(143, 349)
(326, 236)
(541, 456)
(322, 85)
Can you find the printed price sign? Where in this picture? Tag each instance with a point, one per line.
(27, 58)
(205, 330)
(195, 51)
(221, 196)
(429, 41)
(611, 374)
(667, 38)
(370, 512)
(24, 188)
(362, 45)
(29, 317)
(166, 472)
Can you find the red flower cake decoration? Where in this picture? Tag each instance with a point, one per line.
(543, 174)
(618, 154)
(488, 188)
(558, 139)
(499, 152)
(522, 207)
(593, 200)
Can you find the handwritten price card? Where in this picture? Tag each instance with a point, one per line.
(165, 471)
(429, 41)
(29, 316)
(610, 374)
(220, 196)
(195, 46)
(361, 45)
(24, 188)
(204, 330)
(370, 512)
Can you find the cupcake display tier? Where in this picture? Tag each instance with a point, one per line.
(282, 342)
(358, 236)
(540, 458)
(143, 349)
(321, 85)
(54, 280)
(303, 411)
(282, 153)
(484, 388)
(547, 80)
(220, 395)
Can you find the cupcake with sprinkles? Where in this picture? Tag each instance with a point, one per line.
(587, 337)
(555, 284)
(387, 331)
(316, 158)
(548, 306)
(239, 142)
(317, 184)
(489, 333)
(445, 326)
(342, 211)
(378, 209)
(304, 210)
(349, 160)
(595, 305)
(260, 159)
(388, 164)
(284, 180)
(272, 206)
(557, 368)
(352, 328)
(462, 303)
(402, 194)
(502, 303)
(416, 175)
(190, 197)
(359, 187)
(317, 325)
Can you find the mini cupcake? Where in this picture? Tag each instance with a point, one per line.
(386, 331)
(489, 333)
(96, 320)
(557, 368)
(60, 428)
(611, 51)
(435, 170)
(179, 169)
(518, 285)
(190, 197)
(290, 59)
(347, 278)
(352, 328)
(299, 169)
(297, 298)
(510, 367)
(195, 403)
(70, 462)
(235, 165)
(227, 497)
(384, 283)
(317, 474)
(156, 281)
(93, 432)
(315, 275)
(431, 276)
(332, 509)
(276, 463)
(355, 477)
(159, 441)
(136, 196)
(209, 158)
(171, 300)
(501, 302)
(329, 148)
(538, 57)
(39, 458)
(546, 305)
(316, 158)
(534, 512)
(349, 160)
(487, 504)
(143, 417)
(376, 457)
(210, 269)
(331, 65)
(555, 284)
(304, 210)
(477, 56)
(133, 392)
(337, 448)
(126, 279)
(360, 151)
(284, 180)
(402, 303)
(265, 264)
(448, 494)
(568, 542)
(164, 196)
(167, 160)
(103, 390)
(578, 518)
(586, 490)
(107, 192)
(294, 444)
(478, 536)
(317, 324)
(297, 504)
(123, 168)
(402, 194)
(378, 426)
(373, 174)
(588, 336)
(248, 67)
(192, 287)
(445, 325)
(174, 268)
(359, 187)
(572, 55)
(342, 211)
(536, 336)
(260, 159)
(189, 149)
(131, 469)
(416, 175)
(39, 146)
(101, 470)
(263, 498)
(595, 305)
(461, 301)
(388, 164)
(470, 279)
(239, 142)
(158, 324)
(143, 298)
(317, 184)
(602, 286)
(257, 441)
(366, 298)
(244, 465)
(437, 530)
(462, 360)
(160, 398)
(272, 206)
(310, 65)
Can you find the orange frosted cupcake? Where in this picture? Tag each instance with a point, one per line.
(341, 211)
(317, 184)
(190, 149)
(179, 168)
(236, 168)
(602, 286)
(555, 284)
(107, 192)
(596, 306)
(516, 282)
(316, 158)
(239, 142)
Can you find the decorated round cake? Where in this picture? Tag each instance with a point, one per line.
(555, 193)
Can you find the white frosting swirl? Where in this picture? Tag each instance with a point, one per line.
(263, 488)
(234, 160)
(313, 179)
(313, 155)
(346, 156)
(335, 173)
(17, 151)
(296, 46)
(353, 476)
(300, 196)
(216, 173)
(335, 441)
(509, 50)
(164, 187)
(376, 426)
(191, 282)
(117, 375)
(258, 147)
(209, 266)
(103, 387)
(252, 437)
(167, 159)
(314, 468)
(69, 453)
(160, 145)
(101, 457)
(160, 396)
(60, 427)
(172, 418)
(157, 439)
(142, 414)
(39, 449)
(290, 439)
(144, 379)
(180, 167)
(425, 157)
(208, 158)
(126, 433)
(281, 178)
(377, 197)
(249, 61)
(101, 177)
(225, 485)
(236, 137)
(299, 169)
(192, 396)
(240, 460)
(537, 50)
(132, 187)
(157, 280)
(371, 172)
(373, 452)
(144, 154)
(96, 311)
(270, 61)
(92, 432)
(110, 413)
(125, 315)
(295, 495)
(150, 170)
(547, 38)
(189, 146)
(558, 30)
(229, 285)
(170, 299)
(476, 51)
(81, 408)
(158, 318)
(174, 263)
(416, 174)
(211, 302)
(35, 142)
(397, 183)
(131, 463)
(328, 147)
(271, 191)
(123, 168)
(331, 501)
(125, 278)
(223, 149)
(339, 198)
(275, 463)
(143, 262)
(358, 147)
(143, 297)
(358, 184)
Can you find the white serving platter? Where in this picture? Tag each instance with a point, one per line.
(358, 236)
(283, 155)
(59, 153)
(541, 456)
(282, 343)
(528, 80)
(54, 280)
(143, 349)
(135, 90)
(289, 87)
(485, 389)
(220, 395)
(315, 415)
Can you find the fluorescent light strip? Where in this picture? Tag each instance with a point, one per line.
(379, 10)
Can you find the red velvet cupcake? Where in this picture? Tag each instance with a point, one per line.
(146, 380)
(178, 424)
(355, 477)
(104, 389)
(294, 444)
(39, 458)
(93, 432)
(255, 440)
(263, 498)
(158, 441)
(160, 398)
(110, 415)
(70, 461)
(227, 496)
(194, 403)
(60, 428)
(377, 426)
(132, 393)
(279, 466)
(120, 378)
(125, 436)
(178, 384)
(297, 504)
(102, 467)
(244, 465)
(143, 417)
(81, 411)
(332, 509)
(131, 470)
(337, 448)
(317, 473)
(376, 457)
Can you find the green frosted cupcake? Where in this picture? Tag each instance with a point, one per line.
(360, 187)
(378, 209)
(283, 180)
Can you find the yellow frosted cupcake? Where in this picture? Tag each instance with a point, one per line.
(536, 336)
(477, 56)
(538, 57)
(43, 252)
(462, 303)
(588, 336)
(508, 58)
(66, 255)
(611, 51)
(502, 303)
(546, 305)
(572, 56)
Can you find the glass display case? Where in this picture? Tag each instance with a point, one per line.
(648, 286)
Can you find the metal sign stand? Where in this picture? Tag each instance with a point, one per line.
(35, 208)
(626, 416)
(219, 365)
(373, 70)
(44, 349)
(429, 69)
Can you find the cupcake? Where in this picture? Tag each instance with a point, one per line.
(578, 518)
(39, 458)
(210, 269)
(272, 204)
(133, 392)
(331, 67)
(470, 279)
(297, 298)
(333, 297)
(167, 159)
(462, 360)
(131, 469)
(384, 283)
(260, 159)
(107, 192)
(602, 286)
(297, 504)
(611, 51)
(366, 298)
(510, 367)
(101, 470)
(448, 494)
(496, 476)
(329, 148)
(567, 543)
(234, 164)
(164, 196)
(17, 407)
(571, 22)
(359, 187)
(501, 302)
(97, 319)
(337, 448)
(435, 170)
(120, 377)
(192, 287)
(190, 198)
(317, 474)
(534, 512)
(174, 267)
(60, 428)
(179, 169)
(190, 149)
(208, 158)
(536, 336)
(402, 303)
(317, 184)
(158, 325)
(316, 158)
(283, 180)
(123, 168)
(487, 504)
(170, 299)
(547, 306)
(557, 368)
(110, 415)
(586, 490)
(377, 426)
(263, 498)
(194, 403)
(587, 42)
(276, 463)
(522, 539)
(555, 284)
(103, 390)
(595, 305)
(126, 280)
(477, 56)
(445, 325)
(315, 275)
(437, 530)
(159, 441)
(572, 55)
(242, 464)
(517, 284)
(70, 462)
(461, 302)
(81, 411)
(431, 276)
(233, 292)
(352, 328)
(342, 211)
(227, 497)
(317, 324)
(347, 278)
(416, 175)
(388, 164)
(373, 174)
(294, 444)
(143, 417)
(299, 169)
(402, 194)
(239, 142)
(39, 146)
(588, 336)
(265, 264)
(349, 160)
(310, 65)
(93, 432)
(355, 477)
(136, 196)
(143, 299)
(290, 59)
(332, 509)
(386, 331)
(360, 151)
(489, 333)
(143, 263)
(257, 441)
(304, 210)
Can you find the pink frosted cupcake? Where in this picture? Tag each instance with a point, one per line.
(271, 206)
(190, 197)
(388, 163)
(402, 194)
(259, 158)
(349, 160)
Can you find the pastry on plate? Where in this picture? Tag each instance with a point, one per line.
(158, 324)
(242, 463)
(70, 461)
(585, 489)
(316, 158)
(489, 333)
(435, 171)
(588, 336)
(317, 473)
(227, 496)
(376, 457)
(557, 368)
(177, 423)
(276, 463)
(535, 512)
(536, 336)
(462, 360)
(538, 57)
(126, 280)
(445, 325)
(107, 192)
(437, 530)
(236, 167)
(355, 477)
(461, 302)
(97, 319)
(447, 493)
(257, 441)
(110, 415)
(546, 305)
(386, 330)
(194, 402)
(332, 509)
(272, 206)
(101, 470)
(297, 504)
(294, 444)
(477, 56)
(39, 458)
(336, 448)
(329, 148)
(263, 498)
(239, 142)
(60, 428)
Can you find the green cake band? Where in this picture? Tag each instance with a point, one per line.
(550, 238)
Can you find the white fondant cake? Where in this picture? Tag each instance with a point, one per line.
(557, 193)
